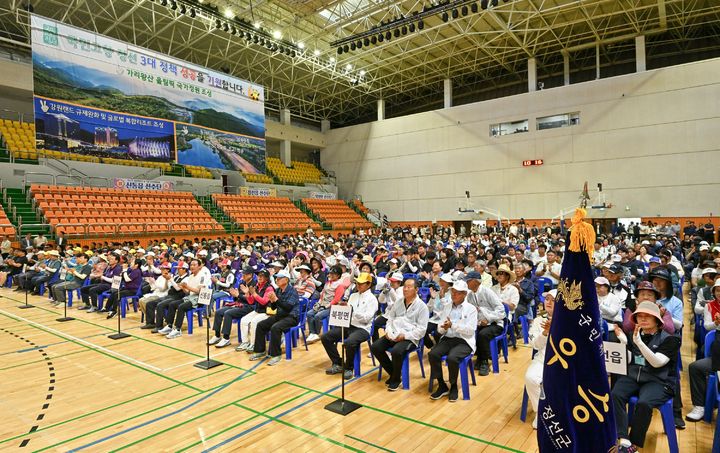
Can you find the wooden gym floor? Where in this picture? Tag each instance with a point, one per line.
(67, 387)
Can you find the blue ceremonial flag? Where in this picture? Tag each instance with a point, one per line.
(575, 411)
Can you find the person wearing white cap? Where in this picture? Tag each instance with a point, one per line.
(391, 292)
(650, 375)
(610, 305)
(457, 342)
(539, 331)
(701, 368)
(438, 306)
(304, 283)
(332, 292)
(490, 318)
(285, 303)
(407, 323)
(704, 294)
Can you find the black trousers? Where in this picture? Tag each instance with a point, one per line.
(115, 297)
(155, 310)
(485, 334)
(35, 282)
(224, 319)
(277, 326)
(90, 293)
(699, 371)
(176, 312)
(431, 335)
(379, 322)
(24, 279)
(650, 395)
(354, 336)
(398, 351)
(455, 349)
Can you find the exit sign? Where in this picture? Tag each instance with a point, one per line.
(530, 163)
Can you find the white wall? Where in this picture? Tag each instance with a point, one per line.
(652, 139)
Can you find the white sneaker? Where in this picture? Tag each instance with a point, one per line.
(696, 414)
(534, 423)
(312, 338)
(165, 330)
(214, 340)
(222, 343)
(243, 346)
(173, 334)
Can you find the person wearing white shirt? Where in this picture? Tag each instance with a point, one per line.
(159, 287)
(610, 305)
(392, 291)
(457, 342)
(407, 322)
(539, 331)
(490, 314)
(506, 291)
(438, 304)
(364, 305)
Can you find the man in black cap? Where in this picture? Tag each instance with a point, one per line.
(614, 275)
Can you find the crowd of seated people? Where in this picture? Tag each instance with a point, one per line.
(449, 293)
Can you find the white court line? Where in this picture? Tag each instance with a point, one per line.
(212, 356)
(80, 340)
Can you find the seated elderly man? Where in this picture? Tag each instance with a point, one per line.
(407, 322)
(46, 270)
(13, 266)
(31, 270)
(491, 315)
(457, 342)
(364, 305)
(235, 308)
(75, 275)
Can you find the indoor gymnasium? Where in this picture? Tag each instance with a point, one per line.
(361, 225)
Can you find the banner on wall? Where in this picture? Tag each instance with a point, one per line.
(323, 195)
(257, 191)
(142, 184)
(102, 97)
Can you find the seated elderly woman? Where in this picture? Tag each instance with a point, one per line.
(650, 376)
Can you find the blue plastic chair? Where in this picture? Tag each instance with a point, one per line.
(382, 274)
(525, 326)
(711, 394)
(101, 298)
(358, 353)
(666, 412)
(410, 275)
(126, 300)
(501, 339)
(41, 287)
(292, 336)
(76, 291)
(424, 294)
(9, 281)
(465, 368)
(406, 365)
(190, 314)
(716, 436)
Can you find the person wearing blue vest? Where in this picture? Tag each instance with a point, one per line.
(650, 376)
(283, 314)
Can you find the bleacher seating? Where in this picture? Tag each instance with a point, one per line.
(337, 213)
(103, 209)
(259, 178)
(264, 213)
(360, 206)
(299, 173)
(198, 172)
(6, 228)
(18, 138)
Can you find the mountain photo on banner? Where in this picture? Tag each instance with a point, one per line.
(575, 412)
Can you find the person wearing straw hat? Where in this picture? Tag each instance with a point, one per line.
(505, 288)
(364, 305)
(650, 377)
(47, 269)
(701, 368)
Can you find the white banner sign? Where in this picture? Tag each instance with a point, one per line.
(205, 296)
(323, 195)
(115, 285)
(615, 357)
(340, 315)
(258, 191)
(142, 184)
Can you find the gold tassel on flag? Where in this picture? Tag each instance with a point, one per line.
(582, 234)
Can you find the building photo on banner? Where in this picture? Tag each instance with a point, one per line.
(101, 97)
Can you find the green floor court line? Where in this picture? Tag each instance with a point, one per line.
(301, 429)
(42, 360)
(412, 420)
(112, 356)
(138, 337)
(197, 417)
(369, 443)
(79, 417)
